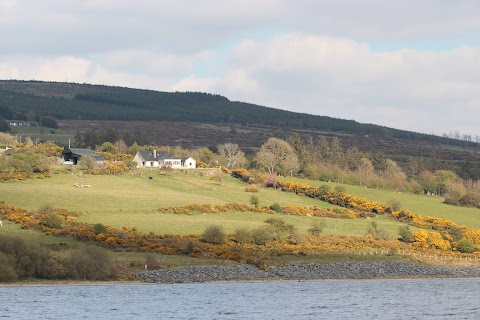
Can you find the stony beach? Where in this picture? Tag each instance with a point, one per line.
(346, 270)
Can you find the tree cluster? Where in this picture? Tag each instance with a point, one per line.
(20, 259)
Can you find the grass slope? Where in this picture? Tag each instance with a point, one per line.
(420, 204)
(134, 202)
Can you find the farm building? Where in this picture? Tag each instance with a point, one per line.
(8, 151)
(160, 159)
(73, 155)
(22, 123)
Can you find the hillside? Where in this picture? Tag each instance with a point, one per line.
(132, 210)
(96, 102)
(192, 119)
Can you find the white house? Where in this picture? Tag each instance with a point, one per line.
(189, 163)
(160, 159)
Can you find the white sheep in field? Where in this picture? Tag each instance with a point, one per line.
(1, 224)
(87, 186)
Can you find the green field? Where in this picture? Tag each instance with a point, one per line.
(420, 204)
(134, 201)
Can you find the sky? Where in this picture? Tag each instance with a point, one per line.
(409, 64)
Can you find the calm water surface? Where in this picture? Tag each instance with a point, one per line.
(364, 299)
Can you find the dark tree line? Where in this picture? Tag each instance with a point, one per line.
(92, 138)
(91, 102)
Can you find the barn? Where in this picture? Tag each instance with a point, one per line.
(73, 155)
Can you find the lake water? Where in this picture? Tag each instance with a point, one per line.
(352, 299)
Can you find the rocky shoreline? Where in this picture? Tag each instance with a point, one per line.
(341, 270)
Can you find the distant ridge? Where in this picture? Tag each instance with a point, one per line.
(99, 102)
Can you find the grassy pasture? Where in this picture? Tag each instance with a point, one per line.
(420, 204)
(134, 201)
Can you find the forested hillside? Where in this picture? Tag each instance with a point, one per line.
(32, 100)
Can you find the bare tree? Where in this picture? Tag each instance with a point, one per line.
(267, 159)
(232, 154)
(291, 164)
(277, 154)
(365, 171)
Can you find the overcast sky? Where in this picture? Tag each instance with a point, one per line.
(409, 64)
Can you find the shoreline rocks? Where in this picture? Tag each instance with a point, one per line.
(332, 271)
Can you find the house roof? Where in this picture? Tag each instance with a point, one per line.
(148, 155)
(82, 152)
(9, 151)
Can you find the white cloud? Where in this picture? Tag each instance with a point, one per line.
(342, 78)
(307, 56)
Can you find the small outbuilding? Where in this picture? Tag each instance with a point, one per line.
(189, 163)
(73, 155)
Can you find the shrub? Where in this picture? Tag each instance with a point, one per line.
(87, 162)
(317, 227)
(90, 263)
(52, 221)
(130, 164)
(280, 225)
(153, 262)
(465, 246)
(243, 235)
(406, 235)
(254, 201)
(214, 234)
(470, 200)
(7, 268)
(45, 209)
(263, 235)
(339, 189)
(377, 232)
(323, 189)
(276, 207)
(251, 189)
(99, 228)
(394, 205)
(189, 248)
(296, 238)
